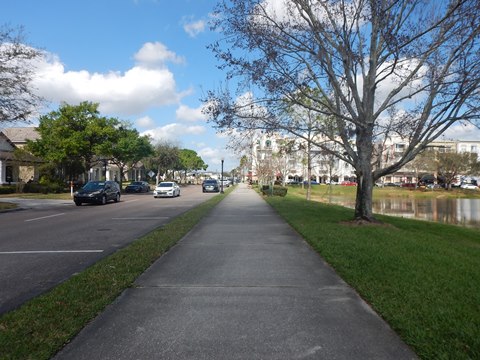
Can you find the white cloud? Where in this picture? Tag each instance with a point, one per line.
(156, 55)
(185, 113)
(128, 93)
(194, 28)
(464, 131)
(173, 132)
(213, 157)
(145, 122)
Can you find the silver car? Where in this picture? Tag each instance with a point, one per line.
(167, 189)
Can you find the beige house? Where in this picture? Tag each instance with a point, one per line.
(17, 166)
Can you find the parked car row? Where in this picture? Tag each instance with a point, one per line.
(100, 192)
(313, 182)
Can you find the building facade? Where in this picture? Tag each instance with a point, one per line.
(17, 166)
(20, 167)
(269, 161)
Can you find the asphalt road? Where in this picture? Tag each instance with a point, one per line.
(48, 241)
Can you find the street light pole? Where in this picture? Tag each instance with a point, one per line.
(222, 176)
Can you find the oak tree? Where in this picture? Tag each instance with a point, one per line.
(379, 69)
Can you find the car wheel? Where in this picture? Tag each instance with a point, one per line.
(78, 203)
(104, 200)
(117, 197)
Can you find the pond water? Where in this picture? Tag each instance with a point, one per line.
(464, 212)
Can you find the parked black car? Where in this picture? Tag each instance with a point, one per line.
(211, 185)
(138, 187)
(97, 192)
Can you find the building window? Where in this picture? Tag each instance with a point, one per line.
(9, 174)
(399, 147)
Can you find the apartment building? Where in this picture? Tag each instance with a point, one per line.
(269, 160)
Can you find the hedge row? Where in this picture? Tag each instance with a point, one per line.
(276, 191)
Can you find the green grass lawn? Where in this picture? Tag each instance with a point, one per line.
(323, 191)
(423, 278)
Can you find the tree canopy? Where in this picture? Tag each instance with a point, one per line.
(378, 69)
(125, 147)
(191, 161)
(166, 157)
(73, 135)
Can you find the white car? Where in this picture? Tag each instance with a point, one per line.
(226, 183)
(469, 186)
(166, 189)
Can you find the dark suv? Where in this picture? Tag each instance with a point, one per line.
(98, 192)
(211, 185)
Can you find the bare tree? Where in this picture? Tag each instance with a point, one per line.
(283, 157)
(383, 68)
(452, 164)
(18, 100)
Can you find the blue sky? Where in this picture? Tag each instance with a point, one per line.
(144, 61)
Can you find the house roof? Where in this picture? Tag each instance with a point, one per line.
(20, 135)
(17, 137)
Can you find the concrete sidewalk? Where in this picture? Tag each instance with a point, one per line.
(241, 285)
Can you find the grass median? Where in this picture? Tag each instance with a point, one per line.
(421, 277)
(39, 328)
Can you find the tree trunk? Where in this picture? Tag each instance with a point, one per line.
(363, 206)
(363, 167)
(309, 170)
(309, 177)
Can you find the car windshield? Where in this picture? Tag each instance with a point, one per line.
(165, 184)
(136, 183)
(211, 182)
(94, 185)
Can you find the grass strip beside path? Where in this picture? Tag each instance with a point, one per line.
(40, 328)
(421, 277)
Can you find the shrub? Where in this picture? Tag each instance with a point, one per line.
(44, 188)
(7, 189)
(277, 190)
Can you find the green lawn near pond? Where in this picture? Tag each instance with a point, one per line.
(422, 278)
(324, 191)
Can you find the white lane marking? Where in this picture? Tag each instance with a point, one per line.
(142, 218)
(49, 252)
(45, 217)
